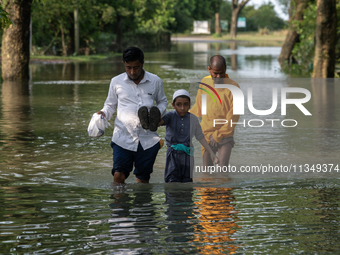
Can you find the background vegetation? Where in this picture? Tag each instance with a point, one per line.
(303, 52)
(108, 26)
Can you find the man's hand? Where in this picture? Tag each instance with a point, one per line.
(214, 158)
(102, 113)
(212, 142)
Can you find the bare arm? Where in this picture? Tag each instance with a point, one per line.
(212, 141)
(205, 144)
(161, 122)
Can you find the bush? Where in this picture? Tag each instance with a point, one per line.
(263, 31)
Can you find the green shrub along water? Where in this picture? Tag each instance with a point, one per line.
(109, 26)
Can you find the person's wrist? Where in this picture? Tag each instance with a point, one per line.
(101, 112)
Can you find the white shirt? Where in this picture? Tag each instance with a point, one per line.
(126, 97)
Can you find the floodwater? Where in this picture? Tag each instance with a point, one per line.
(56, 187)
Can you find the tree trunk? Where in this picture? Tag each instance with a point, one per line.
(15, 49)
(233, 25)
(70, 40)
(326, 29)
(236, 9)
(63, 45)
(290, 12)
(218, 29)
(76, 31)
(119, 34)
(292, 36)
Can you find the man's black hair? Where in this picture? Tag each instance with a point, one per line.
(180, 96)
(217, 61)
(132, 54)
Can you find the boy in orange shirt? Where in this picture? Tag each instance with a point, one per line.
(220, 137)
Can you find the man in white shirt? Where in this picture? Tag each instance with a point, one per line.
(131, 144)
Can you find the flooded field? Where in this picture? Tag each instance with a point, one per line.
(56, 187)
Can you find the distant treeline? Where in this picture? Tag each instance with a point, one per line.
(108, 26)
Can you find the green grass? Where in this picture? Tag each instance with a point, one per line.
(273, 37)
(79, 58)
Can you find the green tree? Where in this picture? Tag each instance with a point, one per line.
(111, 25)
(5, 22)
(118, 16)
(186, 11)
(236, 9)
(204, 9)
(154, 16)
(299, 6)
(225, 11)
(249, 12)
(134, 21)
(264, 16)
(53, 23)
(267, 17)
(303, 51)
(183, 15)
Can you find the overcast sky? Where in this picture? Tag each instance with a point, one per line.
(257, 3)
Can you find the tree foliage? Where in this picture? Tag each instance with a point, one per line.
(102, 22)
(225, 11)
(55, 17)
(5, 21)
(303, 51)
(264, 16)
(107, 25)
(183, 16)
(154, 16)
(186, 11)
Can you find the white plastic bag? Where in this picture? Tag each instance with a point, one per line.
(97, 125)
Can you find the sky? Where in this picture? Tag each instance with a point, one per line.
(257, 3)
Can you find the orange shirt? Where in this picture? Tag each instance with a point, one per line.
(216, 111)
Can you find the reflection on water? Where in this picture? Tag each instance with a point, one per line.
(56, 194)
(180, 215)
(242, 61)
(261, 217)
(133, 218)
(217, 216)
(233, 56)
(325, 100)
(15, 134)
